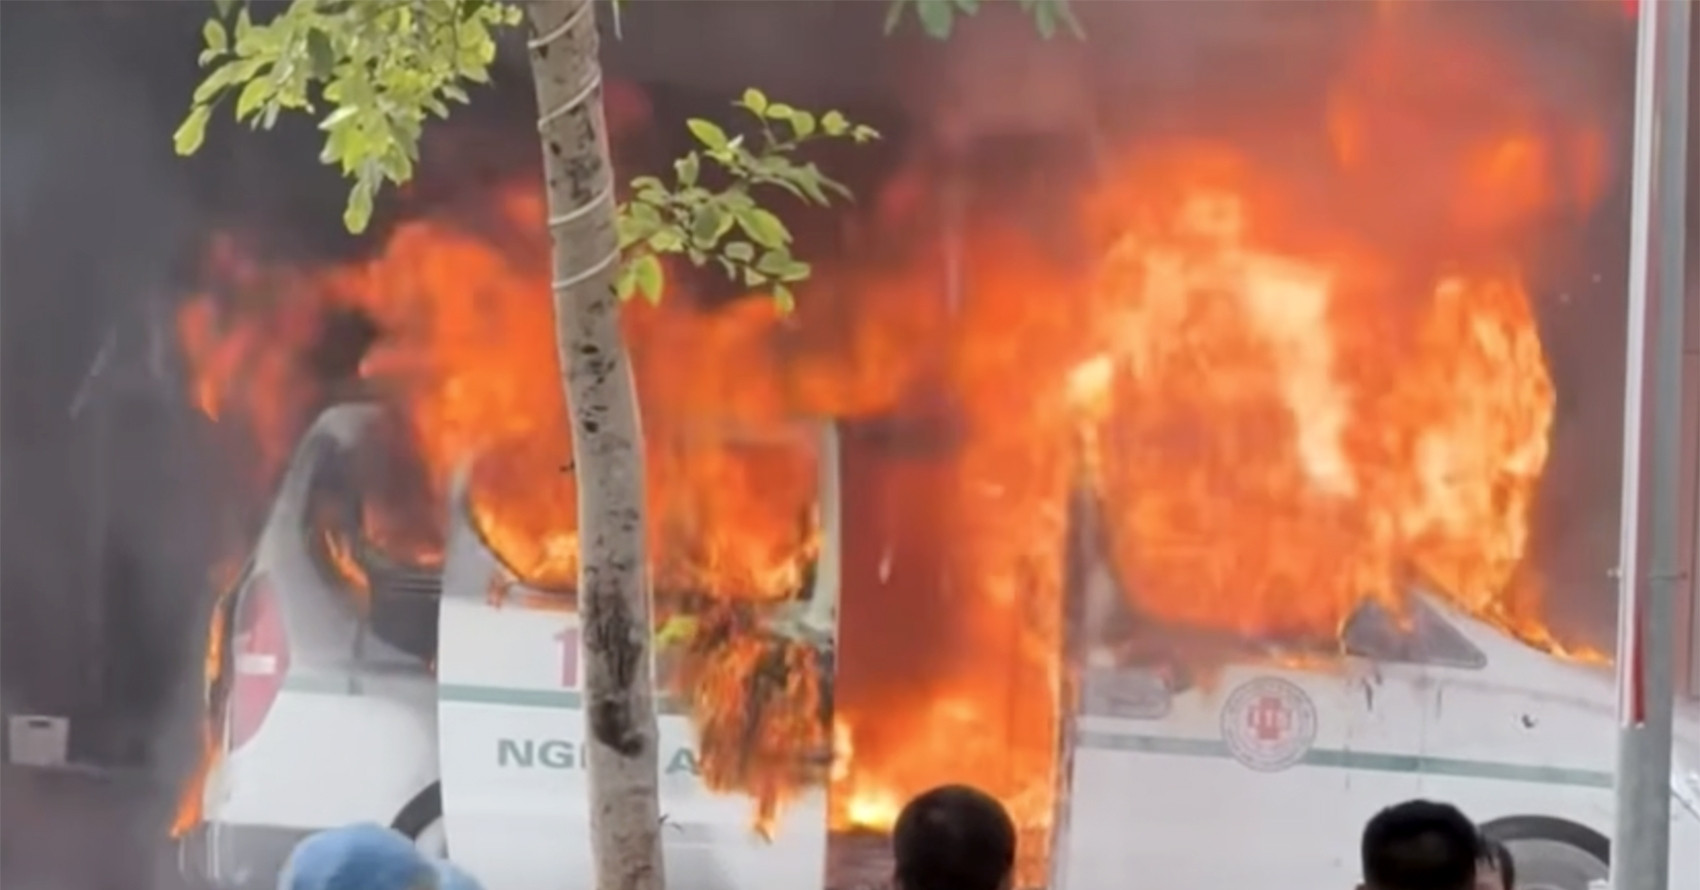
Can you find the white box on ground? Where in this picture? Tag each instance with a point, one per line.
(37, 739)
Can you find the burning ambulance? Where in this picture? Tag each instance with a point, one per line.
(1284, 394)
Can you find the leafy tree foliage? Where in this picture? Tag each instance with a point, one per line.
(374, 73)
(728, 225)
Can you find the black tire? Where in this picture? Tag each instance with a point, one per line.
(420, 813)
(1552, 854)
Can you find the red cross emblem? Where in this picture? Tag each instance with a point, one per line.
(1269, 718)
(1268, 724)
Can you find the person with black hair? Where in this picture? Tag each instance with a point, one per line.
(954, 838)
(1497, 870)
(1420, 845)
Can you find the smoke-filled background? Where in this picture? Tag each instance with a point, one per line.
(116, 500)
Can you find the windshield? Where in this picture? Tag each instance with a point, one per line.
(1418, 636)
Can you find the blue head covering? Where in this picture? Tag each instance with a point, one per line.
(451, 877)
(358, 857)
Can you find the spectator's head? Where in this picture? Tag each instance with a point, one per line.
(1420, 845)
(954, 838)
(358, 857)
(1496, 871)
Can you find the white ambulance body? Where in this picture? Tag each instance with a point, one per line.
(1259, 774)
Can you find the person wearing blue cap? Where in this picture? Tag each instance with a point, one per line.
(367, 857)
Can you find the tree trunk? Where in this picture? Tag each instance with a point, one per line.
(613, 586)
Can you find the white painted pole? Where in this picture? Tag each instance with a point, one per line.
(1645, 663)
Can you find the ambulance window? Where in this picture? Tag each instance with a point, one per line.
(1421, 636)
(371, 531)
(333, 523)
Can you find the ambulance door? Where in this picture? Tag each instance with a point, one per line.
(1387, 709)
(512, 733)
(711, 839)
(510, 725)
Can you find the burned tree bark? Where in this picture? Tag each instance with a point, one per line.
(613, 590)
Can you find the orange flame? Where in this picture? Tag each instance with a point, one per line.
(1296, 385)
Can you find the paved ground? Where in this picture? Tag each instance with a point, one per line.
(79, 831)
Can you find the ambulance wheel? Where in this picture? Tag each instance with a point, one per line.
(422, 820)
(1553, 854)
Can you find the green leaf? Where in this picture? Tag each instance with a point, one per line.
(894, 15)
(783, 300)
(193, 131)
(686, 169)
(678, 629)
(706, 226)
(213, 33)
(774, 262)
(864, 133)
(781, 265)
(813, 184)
(802, 123)
(708, 133)
(936, 17)
(779, 111)
(637, 222)
(619, 30)
(321, 56)
(226, 75)
(336, 117)
(648, 216)
(763, 227)
(739, 251)
(1066, 14)
(1045, 19)
(223, 7)
(647, 274)
(834, 123)
(625, 282)
(358, 214)
(755, 100)
(667, 240)
(254, 94)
